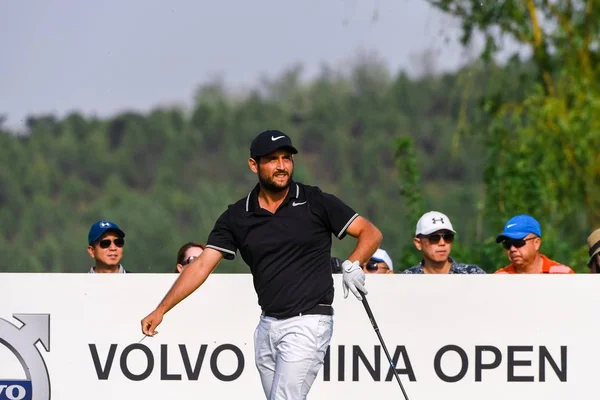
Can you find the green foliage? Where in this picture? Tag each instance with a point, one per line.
(540, 141)
(167, 175)
(479, 145)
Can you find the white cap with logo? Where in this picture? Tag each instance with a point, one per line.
(382, 256)
(433, 221)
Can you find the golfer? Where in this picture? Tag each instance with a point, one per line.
(283, 231)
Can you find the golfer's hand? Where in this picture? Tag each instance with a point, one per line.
(150, 323)
(353, 279)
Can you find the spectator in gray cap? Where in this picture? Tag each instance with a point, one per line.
(433, 238)
(105, 246)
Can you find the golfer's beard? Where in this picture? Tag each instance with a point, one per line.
(269, 185)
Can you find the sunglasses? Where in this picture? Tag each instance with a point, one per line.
(518, 243)
(189, 260)
(436, 237)
(371, 265)
(105, 243)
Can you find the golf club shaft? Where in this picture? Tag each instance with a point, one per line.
(374, 323)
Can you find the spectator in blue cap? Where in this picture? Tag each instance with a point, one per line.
(522, 238)
(105, 246)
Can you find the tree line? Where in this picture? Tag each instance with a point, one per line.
(480, 144)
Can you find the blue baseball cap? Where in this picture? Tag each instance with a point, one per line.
(520, 226)
(100, 228)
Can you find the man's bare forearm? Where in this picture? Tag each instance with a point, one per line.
(367, 242)
(190, 279)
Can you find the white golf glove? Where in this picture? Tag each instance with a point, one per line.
(353, 279)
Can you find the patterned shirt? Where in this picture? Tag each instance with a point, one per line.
(455, 268)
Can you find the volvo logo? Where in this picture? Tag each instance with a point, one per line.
(21, 341)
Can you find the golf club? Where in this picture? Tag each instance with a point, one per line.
(374, 323)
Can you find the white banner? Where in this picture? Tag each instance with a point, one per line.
(453, 337)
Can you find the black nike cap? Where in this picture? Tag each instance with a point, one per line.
(268, 141)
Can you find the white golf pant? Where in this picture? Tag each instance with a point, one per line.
(290, 352)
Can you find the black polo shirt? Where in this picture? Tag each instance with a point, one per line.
(288, 252)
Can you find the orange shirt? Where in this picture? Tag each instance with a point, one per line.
(548, 267)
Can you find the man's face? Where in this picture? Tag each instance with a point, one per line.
(376, 267)
(435, 246)
(105, 251)
(525, 255)
(190, 255)
(275, 170)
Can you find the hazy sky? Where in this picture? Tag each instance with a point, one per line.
(99, 57)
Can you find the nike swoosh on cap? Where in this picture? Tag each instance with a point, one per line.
(510, 226)
(273, 138)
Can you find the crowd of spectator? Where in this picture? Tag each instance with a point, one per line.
(521, 239)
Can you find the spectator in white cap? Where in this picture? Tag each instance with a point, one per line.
(379, 263)
(433, 238)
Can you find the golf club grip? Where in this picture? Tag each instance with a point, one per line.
(369, 312)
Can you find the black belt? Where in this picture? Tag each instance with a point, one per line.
(319, 309)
